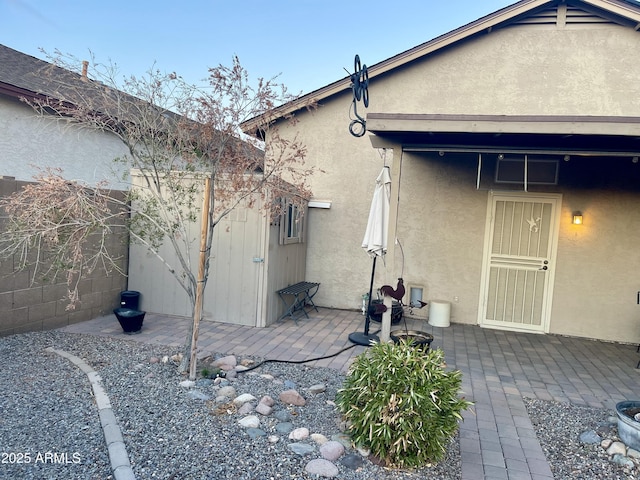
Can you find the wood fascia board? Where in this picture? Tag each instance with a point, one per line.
(621, 8)
(515, 124)
(18, 92)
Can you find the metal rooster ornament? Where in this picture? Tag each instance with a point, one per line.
(397, 294)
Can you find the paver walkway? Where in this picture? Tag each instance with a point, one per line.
(497, 439)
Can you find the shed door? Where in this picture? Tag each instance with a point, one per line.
(519, 264)
(233, 287)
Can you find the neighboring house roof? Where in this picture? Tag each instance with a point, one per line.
(625, 12)
(25, 77)
(22, 75)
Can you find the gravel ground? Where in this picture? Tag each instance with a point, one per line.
(558, 427)
(49, 426)
(46, 408)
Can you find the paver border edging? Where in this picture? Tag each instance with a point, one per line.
(120, 464)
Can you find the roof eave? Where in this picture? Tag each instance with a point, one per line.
(381, 123)
(18, 92)
(572, 135)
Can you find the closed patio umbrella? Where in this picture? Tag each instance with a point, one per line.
(375, 242)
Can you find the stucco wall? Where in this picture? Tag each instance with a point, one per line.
(524, 70)
(441, 218)
(346, 171)
(27, 140)
(596, 276)
(441, 227)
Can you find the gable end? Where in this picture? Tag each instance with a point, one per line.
(567, 15)
(550, 14)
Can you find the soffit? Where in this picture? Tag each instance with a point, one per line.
(496, 133)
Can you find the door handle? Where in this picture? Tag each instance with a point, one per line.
(544, 268)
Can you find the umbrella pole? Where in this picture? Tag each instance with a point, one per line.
(367, 321)
(365, 338)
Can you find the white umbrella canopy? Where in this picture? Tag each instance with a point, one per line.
(375, 236)
(375, 242)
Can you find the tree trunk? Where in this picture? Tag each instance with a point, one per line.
(189, 358)
(197, 313)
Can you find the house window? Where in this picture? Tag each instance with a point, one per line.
(539, 170)
(291, 224)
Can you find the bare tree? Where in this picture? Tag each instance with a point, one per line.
(179, 138)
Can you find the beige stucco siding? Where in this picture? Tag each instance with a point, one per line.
(346, 169)
(597, 281)
(28, 140)
(522, 70)
(441, 219)
(528, 70)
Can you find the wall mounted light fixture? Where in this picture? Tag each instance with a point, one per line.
(577, 218)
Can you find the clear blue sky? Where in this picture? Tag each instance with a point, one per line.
(308, 43)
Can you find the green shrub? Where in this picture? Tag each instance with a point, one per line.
(401, 403)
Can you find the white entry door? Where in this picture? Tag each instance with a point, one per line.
(518, 270)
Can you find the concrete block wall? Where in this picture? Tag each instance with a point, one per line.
(33, 304)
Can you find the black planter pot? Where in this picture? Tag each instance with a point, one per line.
(416, 338)
(130, 320)
(396, 312)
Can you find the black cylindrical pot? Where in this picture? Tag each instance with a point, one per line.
(130, 299)
(396, 312)
(416, 338)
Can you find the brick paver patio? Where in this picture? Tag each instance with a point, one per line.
(497, 439)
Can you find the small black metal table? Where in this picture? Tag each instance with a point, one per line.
(296, 297)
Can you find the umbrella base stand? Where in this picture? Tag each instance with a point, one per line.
(361, 338)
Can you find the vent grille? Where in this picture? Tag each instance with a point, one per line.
(579, 16)
(543, 17)
(564, 16)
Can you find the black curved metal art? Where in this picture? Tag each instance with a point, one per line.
(360, 88)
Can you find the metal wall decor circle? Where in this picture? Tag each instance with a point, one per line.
(360, 88)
